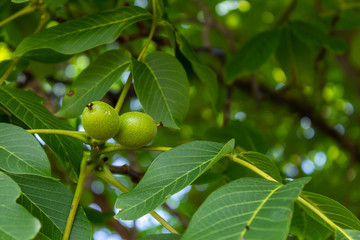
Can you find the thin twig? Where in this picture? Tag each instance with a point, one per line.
(287, 13)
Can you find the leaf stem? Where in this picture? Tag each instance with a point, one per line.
(126, 88)
(85, 169)
(9, 70)
(300, 199)
(117, 147)
(106, 175)
(28, 9)
(74, 134)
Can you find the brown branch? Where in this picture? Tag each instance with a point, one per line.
(126, 170)
(287, 13)
(227, 105)
(305, 109)
(210, 22)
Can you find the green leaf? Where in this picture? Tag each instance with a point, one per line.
(164, 77)
(336, 212)
(295, 57)
(245, 133)
(16, 223)
(170, 172)
(165, 236)
(27, 106)
(316, 35)
(50, 201)
(204, 73)
(263, 163)
(248, 208)
(252, 55)
(305, 227)
(81, 34)
(94, 82)
(21, 153)
(347, 235)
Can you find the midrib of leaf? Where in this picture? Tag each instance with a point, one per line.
(38, 46)
(161, 91)
(35, 116)
(100, 82)
(175, 180)
(307, 203)
(11, 153)
(258, 209)
(312, 207)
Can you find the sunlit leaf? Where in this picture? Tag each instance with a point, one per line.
(170, 172)
(237, 211)
(347, 235)
(16, 223)
(163, 76)
(21, 153)
(336, 212)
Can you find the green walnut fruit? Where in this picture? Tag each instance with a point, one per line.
(136, 129)
(100, 120)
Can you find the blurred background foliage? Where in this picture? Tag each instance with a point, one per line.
(301, 107)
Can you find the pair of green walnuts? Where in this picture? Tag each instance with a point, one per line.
(131, 129)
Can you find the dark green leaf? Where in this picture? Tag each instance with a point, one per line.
(246, 135)
(21, 153)
(163, 76)
(16, 223)
(170, 172)
(50, 201)
(336, 212)
(81, 34)
(316, 35)
(295, 57)
(94, 82)
(252, 55)
(204, 73)
(27, 106)
(248, 208)
(305, 227)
